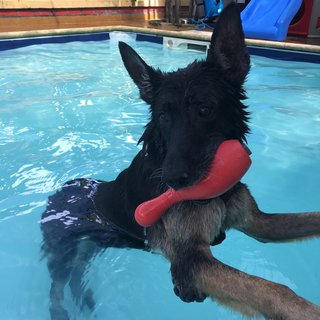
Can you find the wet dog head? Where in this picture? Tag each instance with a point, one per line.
(193, 109)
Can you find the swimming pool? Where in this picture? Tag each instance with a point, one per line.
(70, 110)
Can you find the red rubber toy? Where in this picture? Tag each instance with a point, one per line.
(230, 163)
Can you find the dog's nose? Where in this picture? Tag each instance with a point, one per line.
(178, 181)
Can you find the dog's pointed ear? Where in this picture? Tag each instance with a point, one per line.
(228, 48)
(143, 75)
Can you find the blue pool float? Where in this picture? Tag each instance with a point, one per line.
(269, 19)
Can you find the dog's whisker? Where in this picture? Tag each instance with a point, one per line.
(156, 173)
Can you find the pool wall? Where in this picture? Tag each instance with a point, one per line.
(276, 50)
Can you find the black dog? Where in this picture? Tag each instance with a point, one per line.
(192, 111)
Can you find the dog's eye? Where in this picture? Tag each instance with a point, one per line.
(204, 111)
(163, 117)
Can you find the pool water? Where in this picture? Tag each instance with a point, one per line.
(70, 110)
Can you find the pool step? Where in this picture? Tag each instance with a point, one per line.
(186, 44)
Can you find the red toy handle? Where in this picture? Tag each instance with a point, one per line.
(230, 163)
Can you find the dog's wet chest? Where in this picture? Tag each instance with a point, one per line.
(193, 220)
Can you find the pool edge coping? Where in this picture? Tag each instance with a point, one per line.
(190, 34)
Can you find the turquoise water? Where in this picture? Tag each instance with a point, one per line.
(70, 110)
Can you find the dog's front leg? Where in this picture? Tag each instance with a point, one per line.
(184, 235)
(283, 227)
(251, 295)
(244, 215)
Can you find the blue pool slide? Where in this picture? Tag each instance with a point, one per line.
(269, 19)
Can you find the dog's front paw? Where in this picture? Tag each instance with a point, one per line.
(188, 292)
(184, 287)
